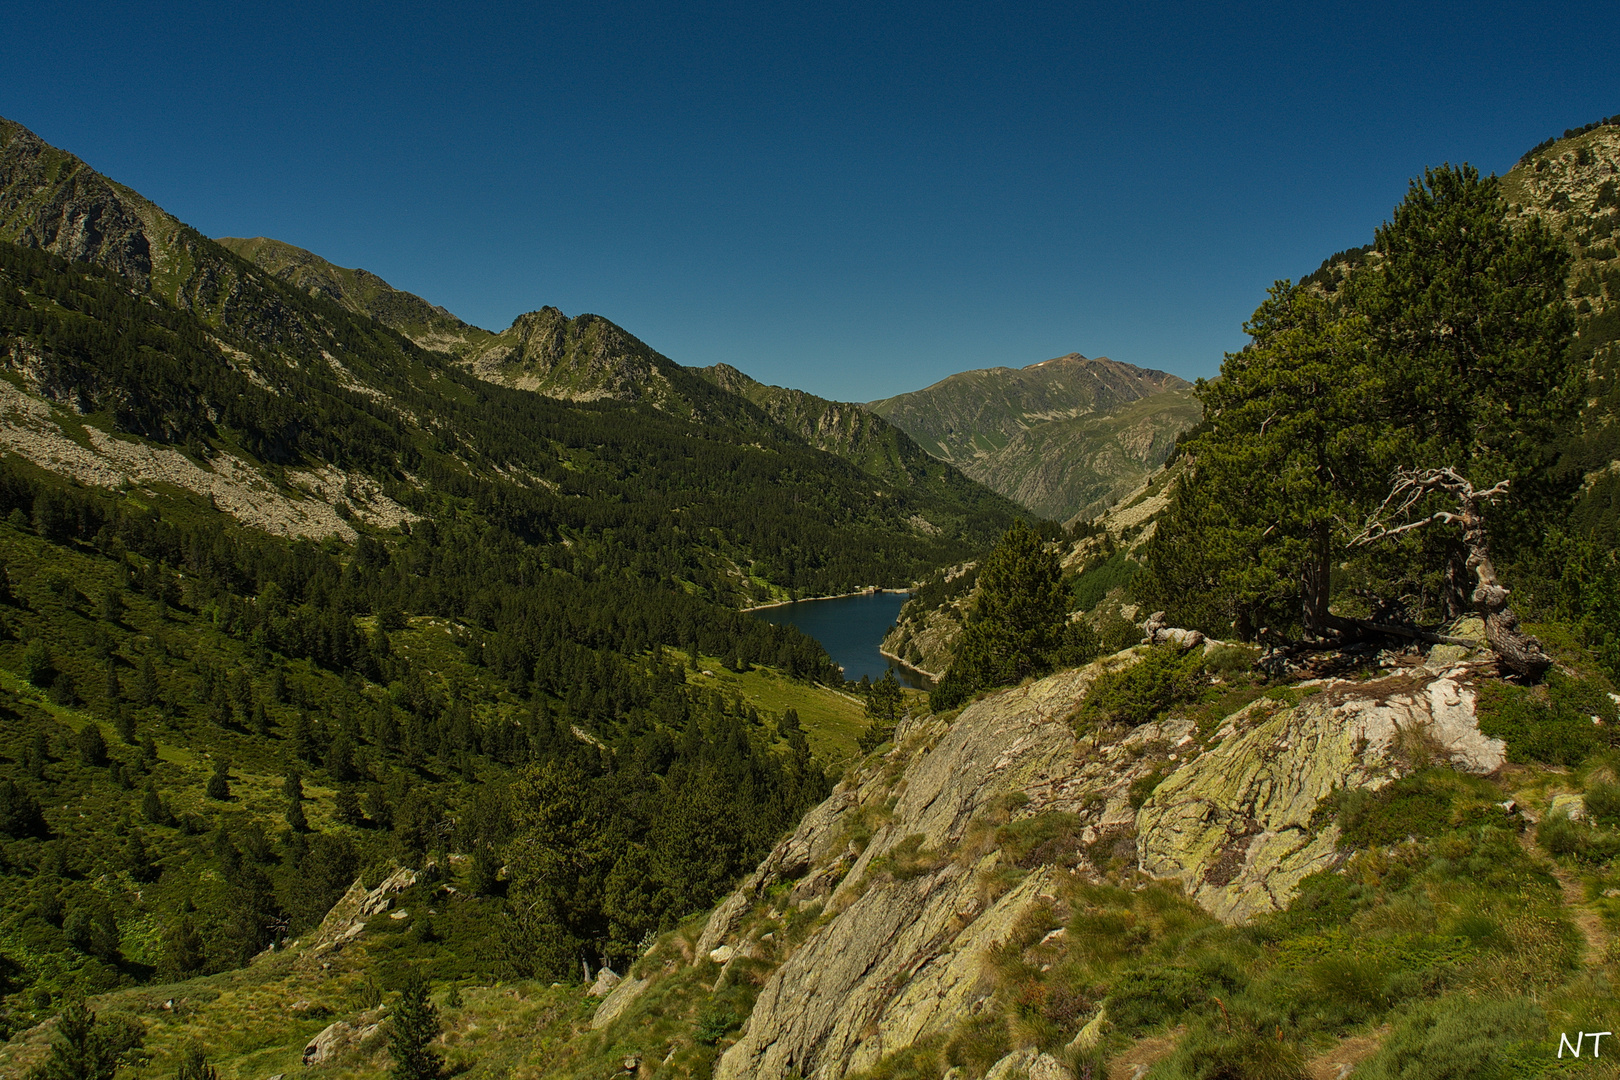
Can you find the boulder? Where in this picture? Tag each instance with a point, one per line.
(1570, 806)
(620, 999)
(606, 980)
(333, 1038)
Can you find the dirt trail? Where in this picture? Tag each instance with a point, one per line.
(1587, 920)
(1337, 1063)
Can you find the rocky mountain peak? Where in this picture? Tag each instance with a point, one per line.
(52, 200)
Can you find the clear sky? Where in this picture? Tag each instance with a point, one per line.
(855, 200)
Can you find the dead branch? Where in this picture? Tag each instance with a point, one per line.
(1517, 650)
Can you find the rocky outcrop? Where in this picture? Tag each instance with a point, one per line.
(585, 358)
(900, 956)
(1235, 825)
(915, 892)
(348, 917)
(53, 201)
(339, 1036)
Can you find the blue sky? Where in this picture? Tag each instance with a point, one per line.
(856, 200)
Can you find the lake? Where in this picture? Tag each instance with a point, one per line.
(850, 628)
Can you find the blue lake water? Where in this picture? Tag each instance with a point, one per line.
(850, 628)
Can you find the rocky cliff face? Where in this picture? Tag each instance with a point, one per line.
(51, 200)
(973, 834)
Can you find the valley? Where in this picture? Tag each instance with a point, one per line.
(367, 676)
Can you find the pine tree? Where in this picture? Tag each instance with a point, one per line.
(295, 816)
(219, 784)
(412, 1027)
(346, 807)
(87, 1049)
(181, 955)
(152, 808)
(137, 860)
(91, 745)
(1449, 350)
(1019, 624)
(124, 719)
(147, 687)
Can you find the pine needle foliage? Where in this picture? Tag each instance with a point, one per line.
(412, 1028)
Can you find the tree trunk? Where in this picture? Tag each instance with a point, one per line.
(1316, 585)
(1518, 651)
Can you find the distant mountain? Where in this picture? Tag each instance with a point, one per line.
(1066, 437)
(850, 431)
(584, 358)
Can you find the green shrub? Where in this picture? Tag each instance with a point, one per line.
(1552, 725)
(1116, 632)
(1414, 805)
(1603, 803)
(1325, 899)
(1227, 659)
(1459, 1039)
(1143, 998)
(1142, 787)
(978, 1043)
(713, 1023)
(1561, 836)
(1210, 1053)
(1040, 840)
(1097, 582)
(1164, 678)
(38, 665)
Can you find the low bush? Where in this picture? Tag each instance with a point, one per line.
(1603, 803)
(1561, 836)
(1164, 678)
(1212, 1053)
(1552, 724)
(1115, 573)
(1460, 1038)
(1143, 998)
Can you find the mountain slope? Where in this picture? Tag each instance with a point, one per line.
(286, 378)
(1065, 437)
(855, 434)
(274, 575)
(361, 291)
(584, 358)
(1573, 183)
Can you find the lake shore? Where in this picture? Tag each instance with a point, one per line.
(924, 672)
(873, 591)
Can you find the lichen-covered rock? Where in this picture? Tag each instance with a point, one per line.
(347, 919)
(1568, 805)
(1235, 825)
(606, 980)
